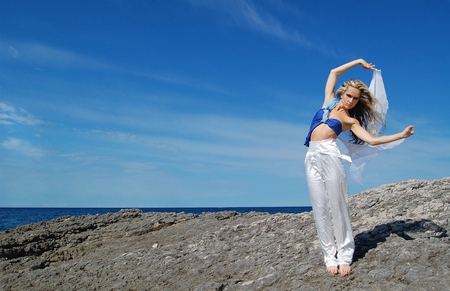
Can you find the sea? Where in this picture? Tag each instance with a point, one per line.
(11, 217)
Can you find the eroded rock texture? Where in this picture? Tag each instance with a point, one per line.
(400, 232)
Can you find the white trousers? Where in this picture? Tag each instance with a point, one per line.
(327, 183)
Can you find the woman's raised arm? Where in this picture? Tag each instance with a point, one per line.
(336, 72)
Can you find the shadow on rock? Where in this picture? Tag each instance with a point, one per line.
(408, 230)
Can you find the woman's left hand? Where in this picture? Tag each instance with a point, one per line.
(408, 131)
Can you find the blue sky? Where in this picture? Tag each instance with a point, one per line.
(205, 103)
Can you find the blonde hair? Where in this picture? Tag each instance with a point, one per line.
(364, 111)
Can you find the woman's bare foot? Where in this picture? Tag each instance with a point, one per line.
(332, 270)
(345, 269)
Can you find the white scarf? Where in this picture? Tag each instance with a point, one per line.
(361, 154)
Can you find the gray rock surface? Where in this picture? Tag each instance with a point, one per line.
(400, 232)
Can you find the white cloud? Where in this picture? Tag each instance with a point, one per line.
(43, 55)
(10, 115)
(206, 142)
(23, 147)
(176, 79)
(13, 51)
(248, 14)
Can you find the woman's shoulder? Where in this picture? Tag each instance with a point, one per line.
(343, 117)
(351, 120)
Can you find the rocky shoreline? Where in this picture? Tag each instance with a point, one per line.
(400, 233)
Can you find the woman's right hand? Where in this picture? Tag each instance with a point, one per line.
(366, 65)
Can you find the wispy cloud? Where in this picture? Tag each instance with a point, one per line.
(176, 79)
(204, 142)
(10, 115)
(14, 53)
(40, 54)
(253, 15)
(150, 140)
(23, 147)
(139, 140)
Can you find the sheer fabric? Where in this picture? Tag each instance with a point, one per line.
(361, 154)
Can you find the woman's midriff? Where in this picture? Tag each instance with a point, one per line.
(321, 132)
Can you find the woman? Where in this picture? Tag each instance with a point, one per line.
(352, 109)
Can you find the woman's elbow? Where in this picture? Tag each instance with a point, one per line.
(372, 142)
(334, 72)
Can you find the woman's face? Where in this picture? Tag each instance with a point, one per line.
(350, 97)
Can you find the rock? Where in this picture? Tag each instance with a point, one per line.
(400, 234)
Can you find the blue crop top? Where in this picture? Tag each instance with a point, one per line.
(322, 117)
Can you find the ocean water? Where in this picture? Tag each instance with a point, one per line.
(11, 218)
